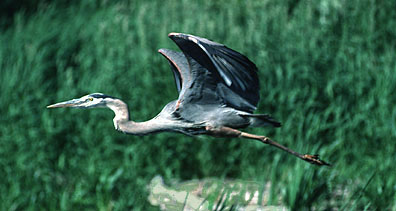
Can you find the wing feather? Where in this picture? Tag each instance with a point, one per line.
(179, 66)
(224, 65)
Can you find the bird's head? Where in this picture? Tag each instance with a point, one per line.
(95, 100)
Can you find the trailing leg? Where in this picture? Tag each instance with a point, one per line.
(230, 132)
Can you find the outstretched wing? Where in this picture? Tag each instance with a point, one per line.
(179, 66)
(217, 71)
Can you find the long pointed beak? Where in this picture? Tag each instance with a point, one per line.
(69, 103)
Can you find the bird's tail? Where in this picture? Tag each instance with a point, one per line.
(259, 120)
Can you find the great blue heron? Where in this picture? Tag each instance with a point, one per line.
(218, 92)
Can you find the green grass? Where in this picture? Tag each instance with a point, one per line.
(327, 71)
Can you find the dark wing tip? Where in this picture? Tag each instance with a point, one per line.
(177, 34)
(173, 34)
(193, 38)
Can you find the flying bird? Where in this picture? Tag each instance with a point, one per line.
(218, 93)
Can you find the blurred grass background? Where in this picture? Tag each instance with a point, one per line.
(327, 71)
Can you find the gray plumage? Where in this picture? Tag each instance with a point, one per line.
(217, 87)
(218, 92)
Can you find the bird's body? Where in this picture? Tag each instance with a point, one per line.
(218, 93)
(170, 120)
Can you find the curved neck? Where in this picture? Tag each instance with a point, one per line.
(123, 123)
(119, 108)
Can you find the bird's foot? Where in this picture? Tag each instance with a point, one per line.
(314, 159)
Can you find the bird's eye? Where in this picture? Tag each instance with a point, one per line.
(90, 99)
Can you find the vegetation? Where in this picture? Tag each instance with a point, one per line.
(327, 71)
